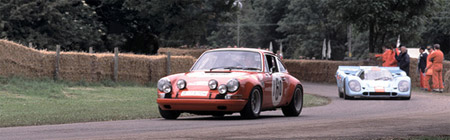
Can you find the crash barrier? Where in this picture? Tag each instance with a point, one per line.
(19, 60)
(182, 52)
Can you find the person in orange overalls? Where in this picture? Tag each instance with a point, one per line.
(391, 61)
(437, 57)
(387, 57)
(421, 66)
(428, 70)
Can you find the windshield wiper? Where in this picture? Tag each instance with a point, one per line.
(250, 68)
(228, 67)
(383, 78)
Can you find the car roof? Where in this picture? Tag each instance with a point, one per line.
(243, 49)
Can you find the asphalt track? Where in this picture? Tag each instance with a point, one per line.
(424, 115)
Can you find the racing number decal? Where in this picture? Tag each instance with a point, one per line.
(277, 89)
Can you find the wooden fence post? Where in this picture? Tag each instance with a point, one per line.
(91, 50)
(116, 63)
(168, 63)
(58, 49)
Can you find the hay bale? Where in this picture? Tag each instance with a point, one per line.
(316, 70)
(182, 52)
(446, 81)
(75, 66)
(16, 59)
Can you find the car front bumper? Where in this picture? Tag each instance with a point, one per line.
(227, 105)
(371, 92)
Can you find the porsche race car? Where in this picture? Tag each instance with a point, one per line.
(229, 80)
(372, 81)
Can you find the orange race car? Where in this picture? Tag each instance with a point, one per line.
(225, 81)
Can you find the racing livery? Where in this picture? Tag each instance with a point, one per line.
(229, 80)
(372, 81)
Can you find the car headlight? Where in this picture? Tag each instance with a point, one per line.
(233, 85)
(354, 85)
(403, 86)
(222, 89)
(212, 84)
(164, 85)
(181, 84)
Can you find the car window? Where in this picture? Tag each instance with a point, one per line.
(271, 62)
(382, 74)
(266, 65)
(244, 60)
(281, 65)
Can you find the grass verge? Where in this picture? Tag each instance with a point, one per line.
(311, 100)
(25, 102)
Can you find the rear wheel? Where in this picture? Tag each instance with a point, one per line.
(295, 107)
(253, 106)
(168, 114)
(218, 115)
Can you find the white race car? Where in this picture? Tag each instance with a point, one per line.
(372, 81)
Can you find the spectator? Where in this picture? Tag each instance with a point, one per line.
(429, 71)
(421, 67)
(437, 57)
(403, 59)
(385, 56)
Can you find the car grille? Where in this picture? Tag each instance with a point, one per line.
(380, 93)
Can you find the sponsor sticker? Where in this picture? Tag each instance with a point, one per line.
(194, 93)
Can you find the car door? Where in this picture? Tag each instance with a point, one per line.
(267, 86)
(284, 75)
(273, 83)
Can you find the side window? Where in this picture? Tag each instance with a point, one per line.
(280, 64)
(272, 63)
(266, 67)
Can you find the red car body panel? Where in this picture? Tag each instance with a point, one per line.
(213, 101)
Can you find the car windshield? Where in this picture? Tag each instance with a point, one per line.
(243, 60)
(377, 75)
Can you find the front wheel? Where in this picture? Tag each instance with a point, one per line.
(168, 114)
(405, 98)
(295, 107)
(345, 96)
(253, 106)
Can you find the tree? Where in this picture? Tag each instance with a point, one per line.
(437, 30)
(68, 23)
(307, 23)
(386, 19)
(140, 26)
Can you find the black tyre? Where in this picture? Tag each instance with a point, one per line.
(168, 114)
(253, 106)
(341, 95)
(405, 98)
(295, 106)
(218, 115)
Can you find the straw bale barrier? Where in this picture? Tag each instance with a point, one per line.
(18, 60)
(182, 52)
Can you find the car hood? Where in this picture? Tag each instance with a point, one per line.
(378, 83)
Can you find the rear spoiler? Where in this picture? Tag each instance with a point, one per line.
(354, 69)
